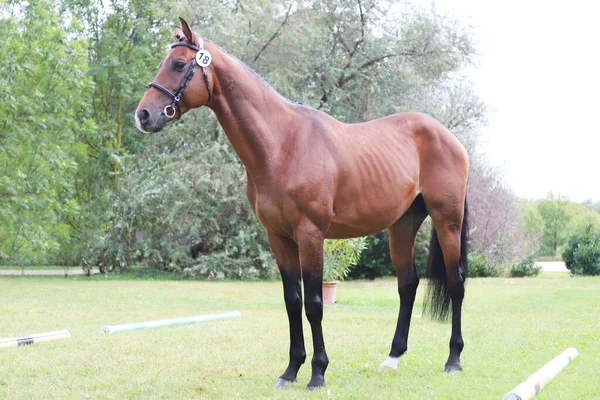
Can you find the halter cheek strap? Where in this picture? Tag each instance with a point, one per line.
(174, 109)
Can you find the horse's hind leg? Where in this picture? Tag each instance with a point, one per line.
(447, 270)
(402, 241)
(286, 254)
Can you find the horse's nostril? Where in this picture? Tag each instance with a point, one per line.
(143, 116)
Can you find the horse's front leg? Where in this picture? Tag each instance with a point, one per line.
(286, 255)
(310, 243)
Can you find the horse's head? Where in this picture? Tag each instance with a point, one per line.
(183, 81)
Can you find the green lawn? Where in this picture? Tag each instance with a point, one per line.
(511, 327)
(18, 267)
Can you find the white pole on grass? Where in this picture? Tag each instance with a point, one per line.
(536, 382)
(167, 322)
(35, 338)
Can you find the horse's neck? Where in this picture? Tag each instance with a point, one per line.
(254, 117)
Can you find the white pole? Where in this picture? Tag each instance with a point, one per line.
(167, 322)
(536, 382)
(35, 338)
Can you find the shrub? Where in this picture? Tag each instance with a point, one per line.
(480, 266)
(340, 255)
(525, 267)
(582, 253)
(183, 209)
(375, 260)
(587, 259)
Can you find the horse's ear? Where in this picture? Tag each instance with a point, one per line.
(179, 35)
(190, 36)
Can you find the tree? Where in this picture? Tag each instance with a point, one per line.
(555, 214)
(348, 58)
(493, 213)
(121, 42)
(532, 227)
(352, 59)
(44, 91)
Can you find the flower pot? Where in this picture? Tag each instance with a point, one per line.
(329, 289)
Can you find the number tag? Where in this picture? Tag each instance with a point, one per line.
(203, 58)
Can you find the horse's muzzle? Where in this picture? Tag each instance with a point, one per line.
(145, 122)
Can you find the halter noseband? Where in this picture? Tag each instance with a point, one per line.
(173, 109)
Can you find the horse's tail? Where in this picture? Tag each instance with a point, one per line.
(437, 299)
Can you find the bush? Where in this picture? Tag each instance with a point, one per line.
(340, 255)
(525, 267)
(480, 266)
(183, 209)
(587, 259)
(375, 260)
(582, 253)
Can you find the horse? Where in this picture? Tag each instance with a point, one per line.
(311, 177)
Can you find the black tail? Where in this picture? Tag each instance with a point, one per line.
(437, 299)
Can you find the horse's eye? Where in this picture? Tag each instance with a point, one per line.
(179, 65)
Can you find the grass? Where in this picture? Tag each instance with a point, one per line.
(18, 267)
(511, 328)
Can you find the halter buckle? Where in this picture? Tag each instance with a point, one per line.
(166, 111)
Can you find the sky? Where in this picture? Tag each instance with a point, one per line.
(539, 72)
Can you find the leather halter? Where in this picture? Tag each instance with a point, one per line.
(176, 97)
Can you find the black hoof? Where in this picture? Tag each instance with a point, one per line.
(282, 383)
(453, 368)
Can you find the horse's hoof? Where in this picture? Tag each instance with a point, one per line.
(389, 363)
(312, 388)
(453, 368)
(282, 383)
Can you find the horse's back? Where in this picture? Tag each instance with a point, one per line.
(385, 163)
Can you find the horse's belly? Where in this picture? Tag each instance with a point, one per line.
(371, 216)
(377, 186)
(340, 231)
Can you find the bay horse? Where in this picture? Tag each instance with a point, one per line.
(311, 177)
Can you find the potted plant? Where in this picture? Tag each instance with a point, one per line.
(340, 255)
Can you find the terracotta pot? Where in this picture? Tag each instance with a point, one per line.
(329, 289)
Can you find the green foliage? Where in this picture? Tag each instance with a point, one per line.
(340, 255)
(359, 62)
(532, 227)
(184, 209)
(550, 222)
(120, 42)
(480, 266)
(422, 247)
(555, 215)
(582, 252)
(81, 185)
(44, 90)
(525, 267)
(582, 215)
(375, 260)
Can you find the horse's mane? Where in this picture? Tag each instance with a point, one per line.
(265, 83)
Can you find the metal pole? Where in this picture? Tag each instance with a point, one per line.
(35, 338)
(167, 322)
